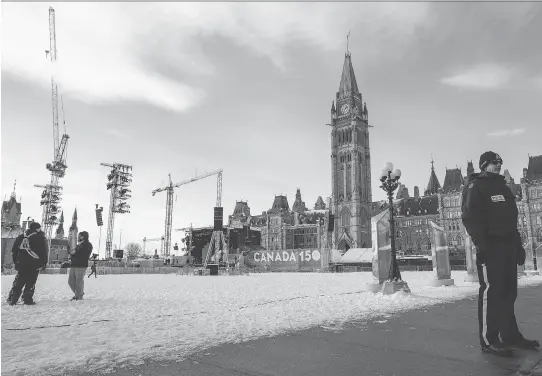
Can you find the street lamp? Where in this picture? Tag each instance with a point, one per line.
(390, 181)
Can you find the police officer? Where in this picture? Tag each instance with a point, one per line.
(490, 215)
(29, 255)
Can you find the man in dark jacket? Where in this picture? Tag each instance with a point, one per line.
(79, 265)
(29, 255)
(490, 215)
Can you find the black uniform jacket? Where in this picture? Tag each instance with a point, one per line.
(489, 209)
(36, 255)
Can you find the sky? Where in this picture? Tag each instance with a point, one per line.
(184, 88)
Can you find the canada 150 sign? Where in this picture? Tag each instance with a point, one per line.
(287, 256)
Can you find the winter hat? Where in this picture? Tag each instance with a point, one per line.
(487, 158)
(34, 226)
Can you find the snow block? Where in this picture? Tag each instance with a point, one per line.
(470, 254)
(390, 287)
(441, 282)
(380, 230)
(441, 257)
(373, 287)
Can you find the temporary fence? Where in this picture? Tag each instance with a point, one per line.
(192, 270)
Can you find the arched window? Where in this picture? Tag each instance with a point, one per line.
(345, 219)
(450, 241)
(459, 240)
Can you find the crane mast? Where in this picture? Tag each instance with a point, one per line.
(118, 181)
(169, 202)
(52, 193)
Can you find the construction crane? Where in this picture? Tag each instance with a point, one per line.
(169, 201)
(52, 192)
(145, 240)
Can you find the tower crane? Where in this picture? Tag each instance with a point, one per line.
(169, 201)
(52, 192)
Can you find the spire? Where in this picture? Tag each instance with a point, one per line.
(433, 186)
(348, 85)
(13, 193)
(470, 168)
(74, 220)
(60, 228)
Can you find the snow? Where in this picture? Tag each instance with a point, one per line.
(127, 318)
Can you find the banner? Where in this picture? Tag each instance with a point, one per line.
(287, 260)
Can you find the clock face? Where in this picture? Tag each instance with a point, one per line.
(345, 108)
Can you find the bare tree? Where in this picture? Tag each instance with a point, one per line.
(133, 250)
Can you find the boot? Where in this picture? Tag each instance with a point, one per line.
(29, 302)
(497, 349)
(523, 343)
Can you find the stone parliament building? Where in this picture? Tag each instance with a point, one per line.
(351, 199)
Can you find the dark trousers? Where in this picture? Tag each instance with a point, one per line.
(26, 277)
(93, 271)
(498, 293)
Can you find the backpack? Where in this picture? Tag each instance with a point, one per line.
(25, 246)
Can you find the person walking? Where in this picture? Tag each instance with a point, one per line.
(490, 216)
(29, 255)
(79, 265)
(93, 269)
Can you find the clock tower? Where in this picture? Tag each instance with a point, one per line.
(350, 164)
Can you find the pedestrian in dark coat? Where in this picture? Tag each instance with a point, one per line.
(490, 216)
(93, 270)
(29, 256)
(79, 265)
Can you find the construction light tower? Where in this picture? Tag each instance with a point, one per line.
(118, 181)
(169, 202)
(52, 192)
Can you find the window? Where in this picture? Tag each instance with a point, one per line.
(459, 240)
(539, 236)
(538, 221)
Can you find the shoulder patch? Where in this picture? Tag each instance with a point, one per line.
(471, 185)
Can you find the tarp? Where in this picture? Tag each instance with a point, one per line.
(357, 255)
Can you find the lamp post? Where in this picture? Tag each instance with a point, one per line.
(390, 181)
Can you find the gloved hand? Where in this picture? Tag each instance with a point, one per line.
(522, 255)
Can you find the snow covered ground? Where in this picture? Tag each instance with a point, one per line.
(127, 318)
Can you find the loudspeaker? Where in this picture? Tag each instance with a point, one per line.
(118, 253)
(219, 218)
(331, 223)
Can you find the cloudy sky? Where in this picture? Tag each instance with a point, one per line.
(186, 88)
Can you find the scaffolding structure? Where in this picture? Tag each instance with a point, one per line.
(119, 180)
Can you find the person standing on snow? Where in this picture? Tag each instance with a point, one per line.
(79, 265)
(93, 270)
(29, 255)
(490, 216)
